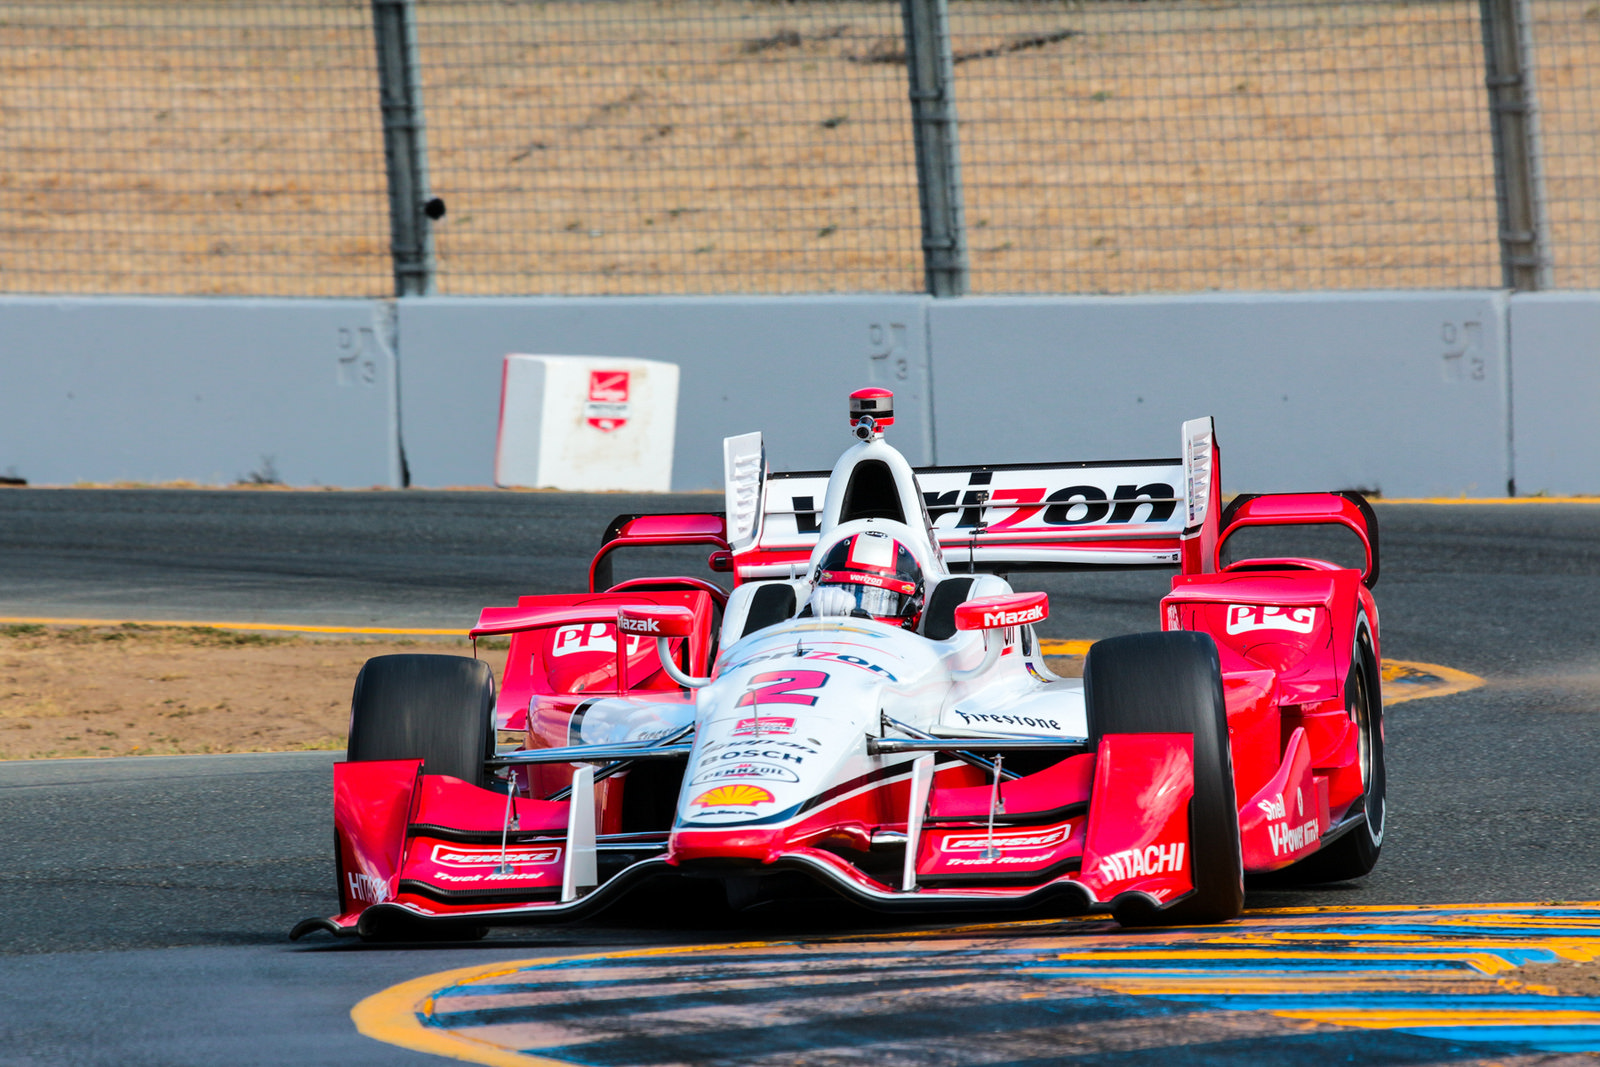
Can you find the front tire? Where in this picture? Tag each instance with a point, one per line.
(439, 709)
(1172, 683)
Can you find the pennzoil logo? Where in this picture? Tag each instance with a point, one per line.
(1242, 618)
(1008, 842)
(737, 795)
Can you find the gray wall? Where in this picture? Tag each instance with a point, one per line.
(1400, 392)
(1408, 393)
(1555, 391)
(198, 390)
(782, 365)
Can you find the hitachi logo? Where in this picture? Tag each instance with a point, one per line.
(1012, 618)
(629, 624)
(1134, 862)
(368, 887)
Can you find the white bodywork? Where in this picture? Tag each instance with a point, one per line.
(786, 719)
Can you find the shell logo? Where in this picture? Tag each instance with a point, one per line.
(728, 796)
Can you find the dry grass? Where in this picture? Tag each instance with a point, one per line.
(129, 690)
(744, 145)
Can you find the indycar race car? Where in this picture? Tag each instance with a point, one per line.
(868, 709)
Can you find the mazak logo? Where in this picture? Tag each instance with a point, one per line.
(764, 771)
(1142, 862)
(454, 856)
(763, 725)
(630, 624)
(1030, 840)
(368, 887)
(1012, 618)
(607, 408)
(1242, 618)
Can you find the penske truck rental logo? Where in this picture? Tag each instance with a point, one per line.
(1009, 841)
(456, 856)
(607, 409)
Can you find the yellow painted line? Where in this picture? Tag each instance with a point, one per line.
(394, 1016)
(1399, 673)
(1449, 680)
(1496, 500)
(190, 624)
(1403, 679)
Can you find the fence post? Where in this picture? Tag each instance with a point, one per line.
(405, 147)
(1513, 126)
(930, 67)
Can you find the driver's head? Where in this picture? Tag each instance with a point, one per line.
(869, 573)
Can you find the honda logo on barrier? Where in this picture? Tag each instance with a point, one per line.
(607, 408)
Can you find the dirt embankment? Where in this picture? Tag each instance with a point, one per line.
(134, 690)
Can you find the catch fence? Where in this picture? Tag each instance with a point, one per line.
(295, 148)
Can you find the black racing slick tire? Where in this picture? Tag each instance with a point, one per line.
(1172, 683)
(439, 709)
(1354, 854)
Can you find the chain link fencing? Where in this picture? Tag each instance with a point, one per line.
(751, 146)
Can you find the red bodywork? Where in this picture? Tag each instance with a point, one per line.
(1089, 827)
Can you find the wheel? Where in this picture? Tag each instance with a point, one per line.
(439, 709)
(1172, 683)
(1356, 853)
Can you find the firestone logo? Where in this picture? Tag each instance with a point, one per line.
(1137, 862)
(1012, 618)
(1242, 618)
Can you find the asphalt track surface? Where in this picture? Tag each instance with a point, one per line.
(146, 900)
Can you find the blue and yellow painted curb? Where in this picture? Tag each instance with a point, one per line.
(1400, 984)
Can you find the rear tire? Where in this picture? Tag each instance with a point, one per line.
(439, 709)
(1172, 683)
(1356, 853)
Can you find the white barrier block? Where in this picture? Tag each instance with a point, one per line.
(586, 423)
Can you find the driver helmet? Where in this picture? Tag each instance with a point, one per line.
(869, 573)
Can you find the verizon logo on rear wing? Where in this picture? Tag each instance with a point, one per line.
(1063, 514)
(997, 516)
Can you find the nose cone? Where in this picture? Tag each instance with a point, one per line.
(731, 849)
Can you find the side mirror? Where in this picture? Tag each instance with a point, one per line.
(1000, 612)
(661, 623)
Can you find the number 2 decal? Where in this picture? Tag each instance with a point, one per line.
(778, 687)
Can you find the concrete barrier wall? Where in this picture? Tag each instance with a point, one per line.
(1408, 393)
(1555, 392)
(1399, 392)
(781, 365)
(201, 390)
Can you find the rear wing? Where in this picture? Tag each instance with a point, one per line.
(1001, 517)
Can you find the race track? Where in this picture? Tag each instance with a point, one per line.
(147, 899)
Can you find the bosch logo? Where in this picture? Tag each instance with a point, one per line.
(629, 624)
(1012, 618)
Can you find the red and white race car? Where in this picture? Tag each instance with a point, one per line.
(868, 709)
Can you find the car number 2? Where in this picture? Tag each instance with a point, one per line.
(779, 687)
